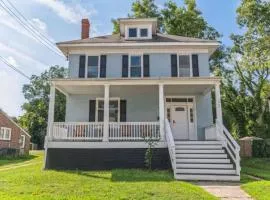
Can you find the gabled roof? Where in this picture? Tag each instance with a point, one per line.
(116, 38)
(1, 111)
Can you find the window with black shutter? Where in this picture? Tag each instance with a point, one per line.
(174, 72)
(82, 66)
(103, 62)
(195, 65)
(92, 110)
(146, 66)
(125, 66)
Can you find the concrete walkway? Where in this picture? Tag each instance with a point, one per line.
(225, 190)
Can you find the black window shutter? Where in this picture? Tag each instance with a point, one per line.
(92, 110)
(125, 66)
(82, 66)
(123, 110)
(103, 61)
(195, 65)
(174, 65)
(146, 66)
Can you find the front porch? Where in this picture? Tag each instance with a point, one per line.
(131, 110)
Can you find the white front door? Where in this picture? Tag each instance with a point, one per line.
(179, 122)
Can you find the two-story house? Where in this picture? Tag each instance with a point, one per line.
(134, 86)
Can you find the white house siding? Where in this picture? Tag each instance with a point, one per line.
(160, 65)
(74, 65)
(142, 103)
(204, 114)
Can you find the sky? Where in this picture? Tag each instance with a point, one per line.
(59, 20)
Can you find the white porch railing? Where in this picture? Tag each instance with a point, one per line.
(171, 144)
(77, 131)
(230, 144)
(124, 131)
(93, 131)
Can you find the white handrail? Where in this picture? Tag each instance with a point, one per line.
(231, 145)
(171, 144)
(78, 131)
(134, 131)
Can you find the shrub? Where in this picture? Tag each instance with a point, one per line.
(261, 148)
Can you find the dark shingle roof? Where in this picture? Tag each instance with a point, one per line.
(116, 38)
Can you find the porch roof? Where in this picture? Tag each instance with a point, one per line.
(79, 86)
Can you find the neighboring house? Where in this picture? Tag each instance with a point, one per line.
(139, 84)
(12, 136)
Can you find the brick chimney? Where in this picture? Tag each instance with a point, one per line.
(85, 28)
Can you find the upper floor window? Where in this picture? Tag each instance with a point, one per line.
(184, 65)
(144, 32)
(132, 32)
(5, 133)
(135, 66)
(139, 32)
(93, 66)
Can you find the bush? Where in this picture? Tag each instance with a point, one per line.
(9, 152)
(261, 148)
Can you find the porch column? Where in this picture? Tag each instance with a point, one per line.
(161, 111)
(51, 110)
(218, 103)
(106, 113)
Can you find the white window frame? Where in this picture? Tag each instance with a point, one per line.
(5, 130)
(23, 141)
(129, 65)
(86, 65)
(110, 99)
(190, 64)
(138, 28)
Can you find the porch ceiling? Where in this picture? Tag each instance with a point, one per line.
(169, 90)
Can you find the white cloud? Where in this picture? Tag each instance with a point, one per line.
(12, 61)
(8, 21)
(11, 88)
(42, 26)
(39, 66)
(71, 13)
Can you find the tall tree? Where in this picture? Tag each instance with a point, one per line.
(34, 119)
(186, 21)
(246, 88)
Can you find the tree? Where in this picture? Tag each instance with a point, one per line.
(186, 21)
(141, 9)
(247, 85)
(34, 120)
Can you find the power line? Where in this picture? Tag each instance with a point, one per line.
(26, 27)
(33, 27)
(29, 29)
(13, 67)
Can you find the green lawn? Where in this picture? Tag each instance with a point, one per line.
(258, 167)
(31, 182)
(12, 160)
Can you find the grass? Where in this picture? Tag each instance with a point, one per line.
(31, 182)
(14, 160)
(256, 167)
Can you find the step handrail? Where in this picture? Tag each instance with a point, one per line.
(230, 145)
(171, 144)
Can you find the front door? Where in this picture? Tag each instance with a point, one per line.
(179, 122)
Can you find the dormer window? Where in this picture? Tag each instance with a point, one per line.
(138, 32)
(144, 32)
(132, 32)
